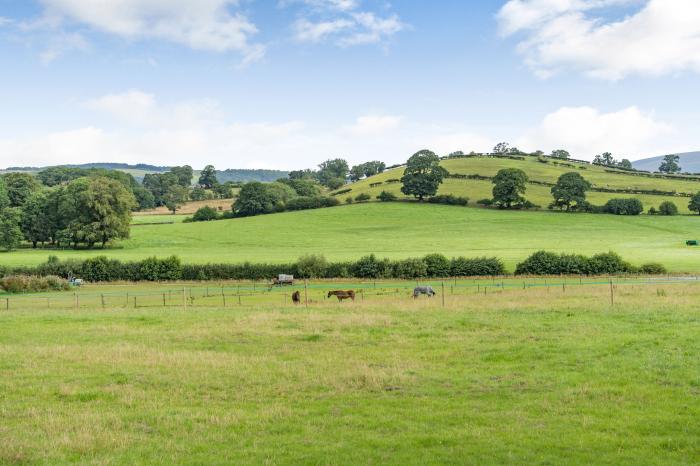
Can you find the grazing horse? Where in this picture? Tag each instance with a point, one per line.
(427, 290)
(296, 297)
(341, 295)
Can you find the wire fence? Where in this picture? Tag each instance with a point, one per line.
(195, 295)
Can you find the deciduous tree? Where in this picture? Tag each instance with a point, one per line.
(423, 175)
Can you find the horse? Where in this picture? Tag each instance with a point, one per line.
(296, 297)
(341, 295)
(420, 290)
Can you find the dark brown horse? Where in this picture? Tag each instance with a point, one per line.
(296, 297)
(341, 295)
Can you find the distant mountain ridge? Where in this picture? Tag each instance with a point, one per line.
(689, 162)
(139, 170)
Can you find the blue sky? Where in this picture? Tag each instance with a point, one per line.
(289, 83)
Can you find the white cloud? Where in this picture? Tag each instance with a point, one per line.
(62, 43)
(661, 37)
(344, 22)
(199, 24)
(135, 128)
(374, 125)
(585, 132)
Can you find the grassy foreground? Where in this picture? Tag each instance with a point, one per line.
(399, 230)
(518, 377)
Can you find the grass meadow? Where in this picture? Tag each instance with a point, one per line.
(399, 230)
(543, 375)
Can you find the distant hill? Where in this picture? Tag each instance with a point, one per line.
(689, 162)
(139, 170)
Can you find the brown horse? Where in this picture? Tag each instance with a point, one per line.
(296, 297)
(341, 295)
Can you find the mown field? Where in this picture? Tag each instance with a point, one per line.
(537, 376)
(480, 189)
(399, 230)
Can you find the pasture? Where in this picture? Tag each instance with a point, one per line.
(399, 230)
(520, 376)
(599, 177)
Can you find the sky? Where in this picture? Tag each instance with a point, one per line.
(286, 84)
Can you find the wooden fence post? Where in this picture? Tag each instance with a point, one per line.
(306, 293)
(612, 293)
(184, 298)
(443, 294)
(163, 299)
(102, 297)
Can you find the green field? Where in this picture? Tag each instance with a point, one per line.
(398, 230)
(537, 171)
(537, 376)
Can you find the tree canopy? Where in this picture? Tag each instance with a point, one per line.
(509, 185)
(207, 178)
(332, 172)
(570, 190)
(423, 175)
(19, 187)
(560, 154)
(670, 164)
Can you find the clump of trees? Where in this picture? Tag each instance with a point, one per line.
(606, 158)
(83, 212)
(367, 169)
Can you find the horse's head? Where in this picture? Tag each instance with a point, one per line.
(330, 293)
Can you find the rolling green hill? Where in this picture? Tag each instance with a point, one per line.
(399, 230)
(544, 174)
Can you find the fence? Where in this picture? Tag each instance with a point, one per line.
(256, 293)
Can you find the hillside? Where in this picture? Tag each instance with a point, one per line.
(607, 182)
(689, 162)
(400, 230)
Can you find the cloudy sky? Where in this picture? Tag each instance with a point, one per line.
(289, 83)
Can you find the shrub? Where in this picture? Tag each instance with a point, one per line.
(410, 268)
(485, 202)
(205, 214)
(349, 200)
(371, 267)
(386, 196)
(539, 263)
(668, 208)
(342, 191)
(652, 210)
(449, 199)
(154, 269)
(475, 267)
(312, 266)
(363, 197)
(31, 284)
(652, 269)
(437, 265)
(315, 202)
(630, 206)
(607, 263)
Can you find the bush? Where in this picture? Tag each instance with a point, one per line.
(668, 208)
(342, 191)
(652, 210)
(437, 265)
(652, 269)
(449, 199)
(476, 267)
(485, 202)
(363, 197)
(371, 267)
(315, 202)
(205, 214)
(155, 270)
(549, 263)
(630, 206)
(386, 196)
(349, 200)
(312, 266)
(31, 284)
(410, 268)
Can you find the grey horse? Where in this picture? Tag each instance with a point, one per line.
(427, 290)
